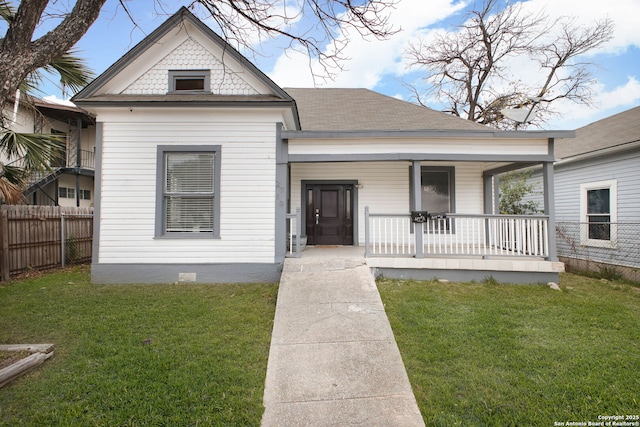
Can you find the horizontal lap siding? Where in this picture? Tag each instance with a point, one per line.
(128, 192)
(385, 185)
(436, 146)
(622, 167)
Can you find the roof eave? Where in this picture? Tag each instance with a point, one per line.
(427, 133)
(598, 153)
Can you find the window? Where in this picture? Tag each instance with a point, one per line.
(598, 212)
(438, 195)
(189, 81)
(437, 190)
(66, 193)
(188, 187)
(85, 194)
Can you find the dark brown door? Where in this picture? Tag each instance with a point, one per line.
(329, 216)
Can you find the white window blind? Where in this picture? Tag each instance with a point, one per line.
(189, 192)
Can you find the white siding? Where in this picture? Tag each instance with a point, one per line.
(431, 146)
(128, 191)
(69, 181)
(384, 186)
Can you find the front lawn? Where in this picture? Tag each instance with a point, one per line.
(484, 354)
(137, 355)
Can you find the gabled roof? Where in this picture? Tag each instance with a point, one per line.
(92, 92)
(614, 132)
(362, 109)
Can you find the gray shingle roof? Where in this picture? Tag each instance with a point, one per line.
(362, 109)
(617, 130)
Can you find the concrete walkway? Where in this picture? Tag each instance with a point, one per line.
(333, 358)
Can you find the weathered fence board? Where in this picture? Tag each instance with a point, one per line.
(31, 237)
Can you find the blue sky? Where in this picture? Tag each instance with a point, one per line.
(381, 66)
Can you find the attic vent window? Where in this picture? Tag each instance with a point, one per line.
(181, 81)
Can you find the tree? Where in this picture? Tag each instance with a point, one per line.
(28, 152)
(468, 70)
(515, 190)
(23, 54)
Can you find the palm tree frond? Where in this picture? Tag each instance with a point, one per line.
(34, 151)
(13, 174)
(10, 193)
(6, 11)
(31, 83)
(72, 69)
(11, 184)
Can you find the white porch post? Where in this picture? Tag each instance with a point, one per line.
(416, 178)
(367, 230)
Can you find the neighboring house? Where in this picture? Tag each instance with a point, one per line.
(597, 185)
(203, 161)
(70, 180)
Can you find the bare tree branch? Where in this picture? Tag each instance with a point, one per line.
(467, 70)
(22, 56)
(238, 20)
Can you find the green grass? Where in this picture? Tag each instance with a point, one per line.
(477, 354)
(484, 354)
(137, 355)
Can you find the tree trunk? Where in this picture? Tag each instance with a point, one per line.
(20, 56)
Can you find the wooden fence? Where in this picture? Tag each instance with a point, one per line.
(31, 237)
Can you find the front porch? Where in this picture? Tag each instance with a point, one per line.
(490, 254)
(420, 203)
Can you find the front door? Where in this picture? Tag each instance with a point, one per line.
(329, 216)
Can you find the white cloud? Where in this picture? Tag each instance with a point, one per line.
(369, 59)
(623, 13)
(626, 95)
(607, 103)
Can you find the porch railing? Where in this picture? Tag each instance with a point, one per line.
(457, 235)
(294, 234)
(87, 159)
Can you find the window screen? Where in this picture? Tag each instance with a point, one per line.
(189, 192)
(599, 213)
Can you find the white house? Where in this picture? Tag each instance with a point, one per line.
(69, 182)
(203, 161)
